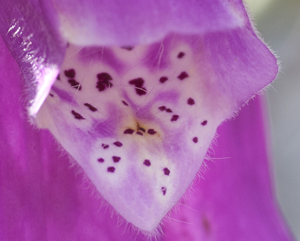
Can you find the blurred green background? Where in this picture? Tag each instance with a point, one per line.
(278, 21)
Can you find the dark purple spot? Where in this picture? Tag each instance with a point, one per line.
(147, 163)
(204, 123)
(100, 86)
(124, 102)
(162, 108)
(169, 110)
(138, 83)
(111, 169)
(51, 95)
(70, 73)
(180, 55)
(100, 160)
(74, 84)
(92, 108)
(183, 75)
(206, 225)
(58, 77)
(104, 77)
(118, 144)
(139, 133)
(140, 90)
(77, 115)
(163, 79)
(152, 132)
(128, 131)
(127, 47)
(116, 159)
(105, 146)
(166, 171)
(142, 129)
(164, 190)
(103, 81)
(195, 139)
(190, 101)
(174, 117)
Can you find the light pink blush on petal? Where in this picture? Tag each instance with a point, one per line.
(138, 120)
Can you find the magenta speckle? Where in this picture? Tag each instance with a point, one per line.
(77, 115)
(103, 81)
(118, 144)
(105, 146)
(183, 75)
(128, 131)
(100, 160)
(180, 55)
(162, 108)
(111, 169)
(74, 84)
(129, 48)
(70, 73)
(91, 108)
(116, 159)
(124, 103)
(190, 101)
(166, 171)
(175, 118)
(204, 123)
(164, 190)
(163, 79)
(138, 83)
(152, 132)
(147, 163)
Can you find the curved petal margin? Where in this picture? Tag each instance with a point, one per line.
(140, 120)
(30, 31)
(133, 22)
(235, 200)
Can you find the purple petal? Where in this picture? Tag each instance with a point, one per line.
(241, 63)
(41, 197)
(208, 78)
(131, 22)
(200, 75)
(30, 31)
(235, 199)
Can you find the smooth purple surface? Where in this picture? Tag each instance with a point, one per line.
(132, 22)
(222, 71)
(36, 34)
(30, 31)
(40, 203)
(43, 199)
(235, 198)
(240, 62)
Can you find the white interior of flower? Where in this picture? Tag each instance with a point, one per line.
(138, 120)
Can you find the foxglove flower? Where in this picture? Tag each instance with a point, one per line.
(136, 102)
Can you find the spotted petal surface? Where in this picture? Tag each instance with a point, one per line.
(139, 119)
